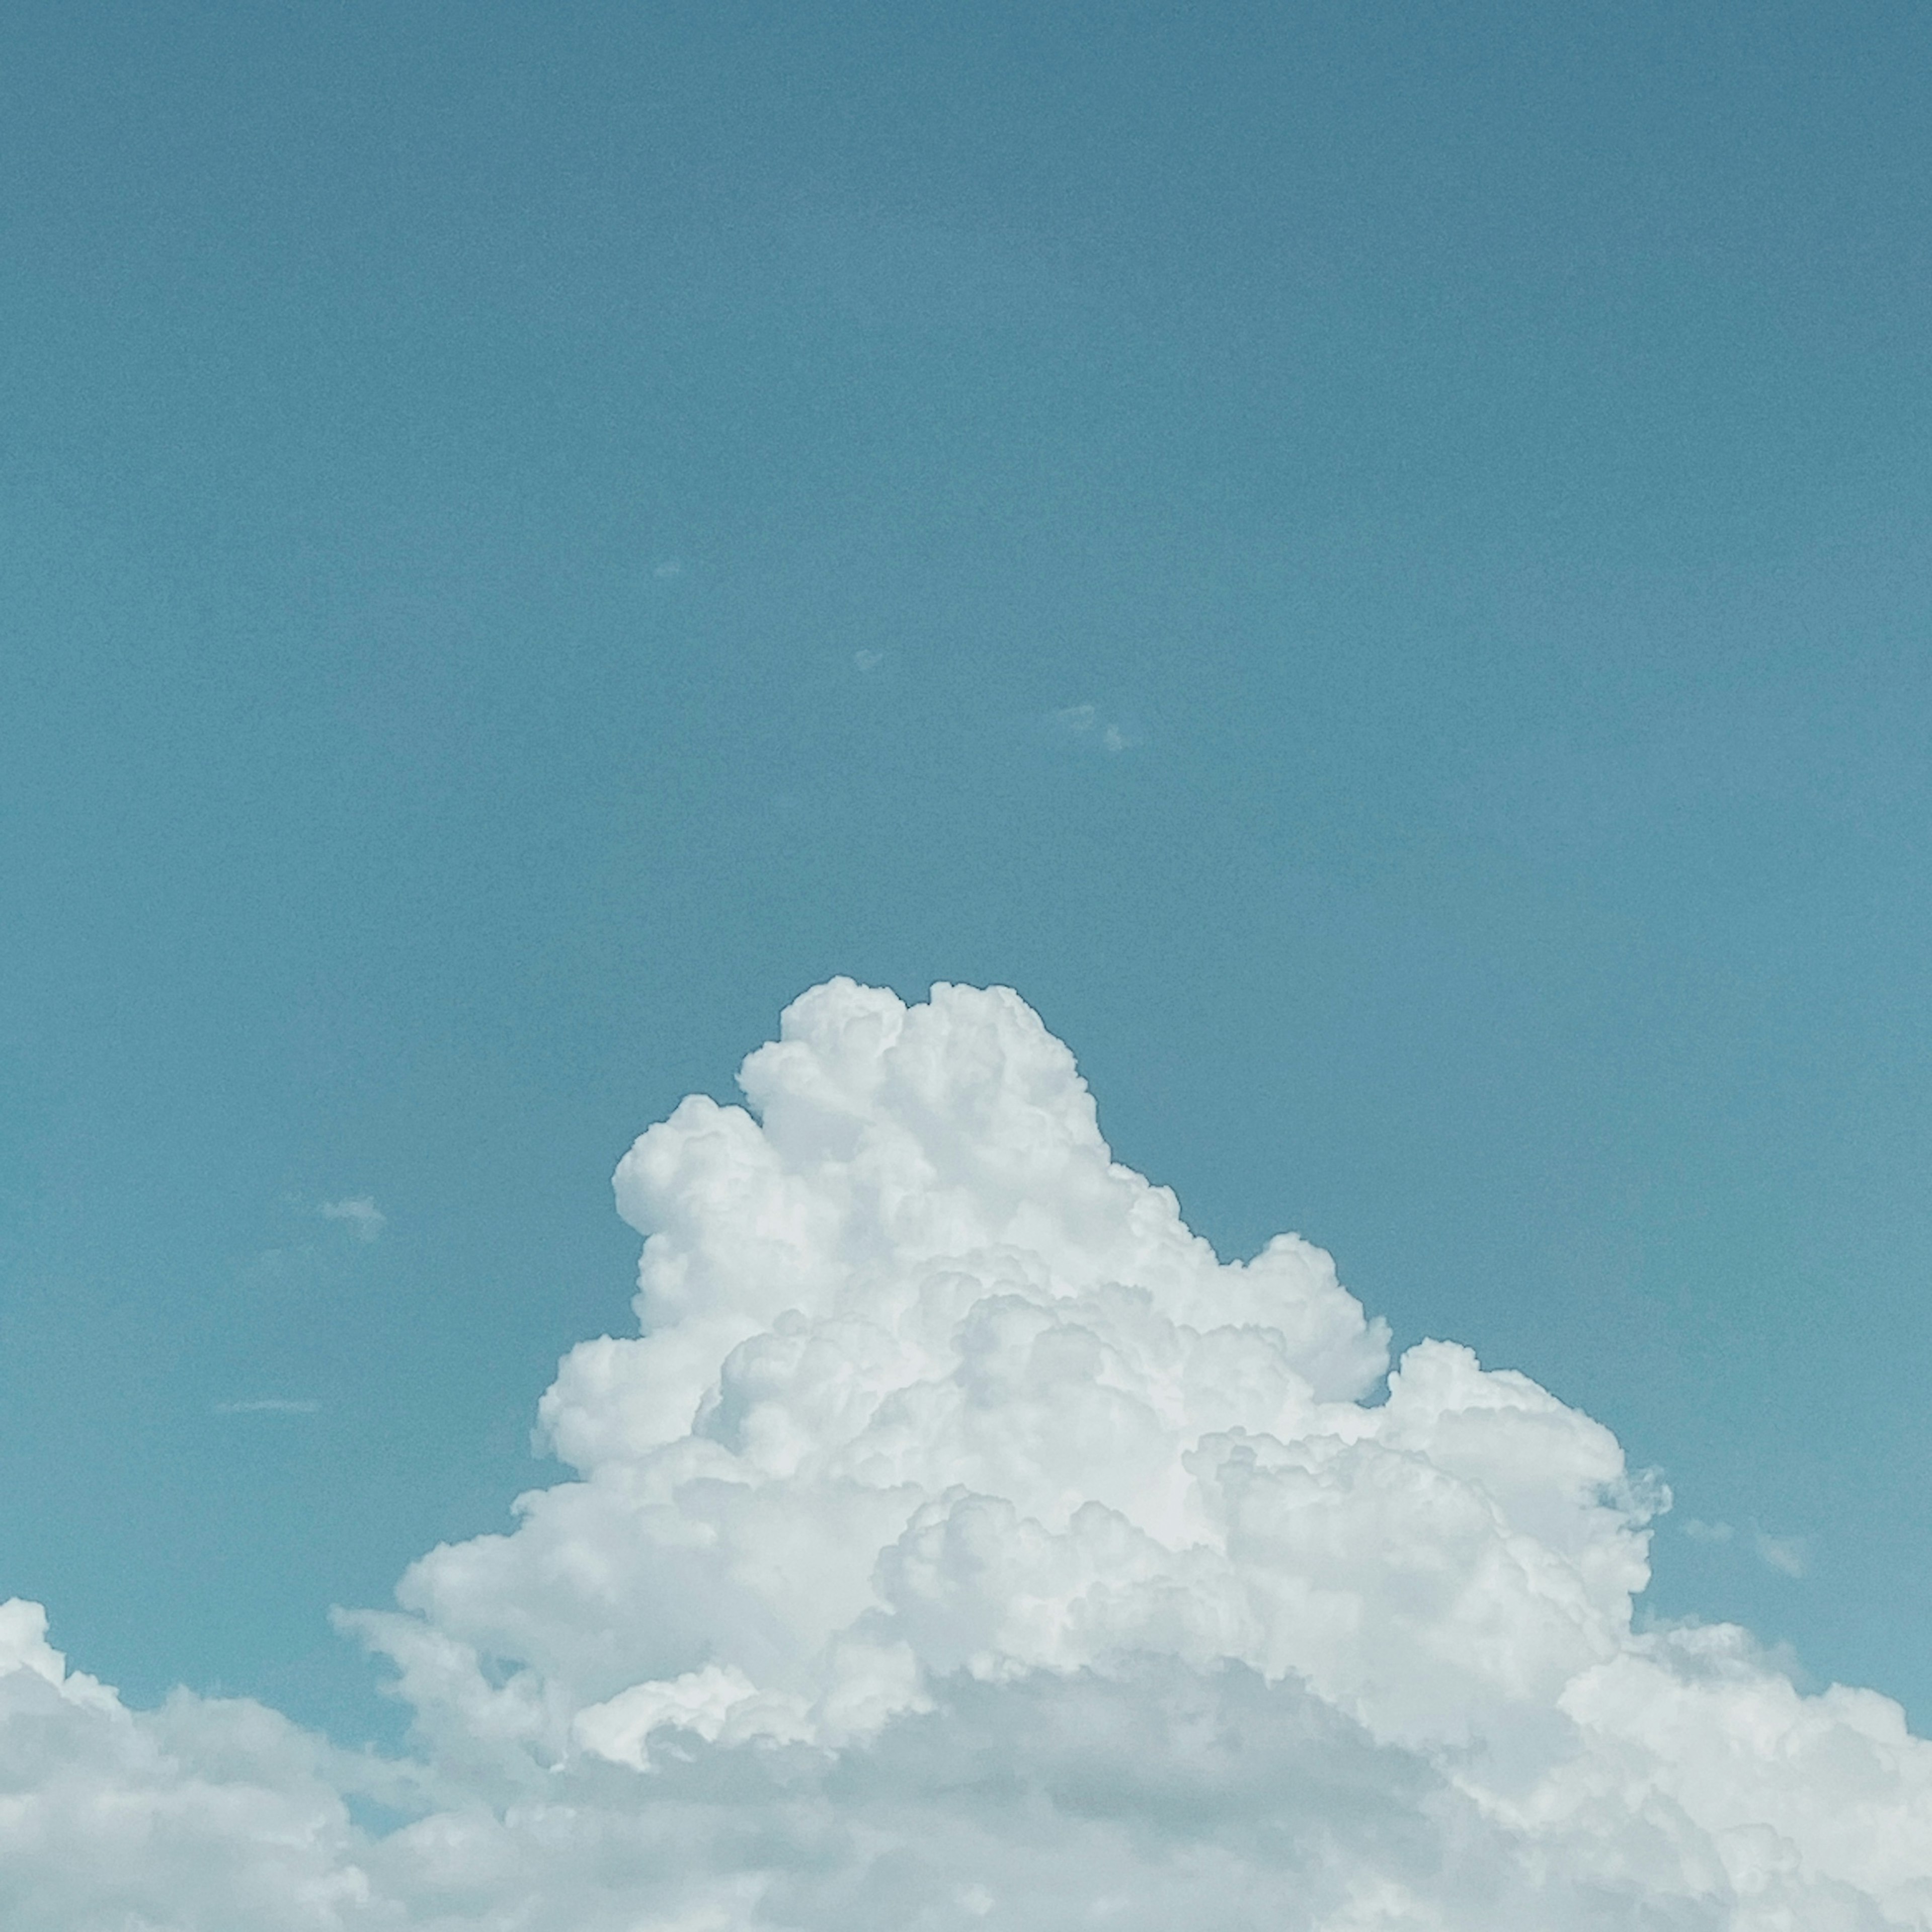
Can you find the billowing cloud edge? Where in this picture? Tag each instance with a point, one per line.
(960, 1542)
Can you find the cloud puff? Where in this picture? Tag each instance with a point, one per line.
(363, 1219)
(1785, 1554)
(960, 1543)
(202, 1813)
(1782, 1553)
(1086, 721)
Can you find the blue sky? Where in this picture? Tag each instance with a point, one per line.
(1373, 563)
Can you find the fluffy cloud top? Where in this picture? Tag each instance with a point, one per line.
(961, 1543)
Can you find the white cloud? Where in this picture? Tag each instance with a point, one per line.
(1088, 723)
(359, 1214)
(268, 1405)
(203, 1813)
(961, 1543)
(1782, 1553)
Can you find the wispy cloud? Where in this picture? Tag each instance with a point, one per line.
(1087, 721)
(365, 1219)
(268, 1405)
(1784, 1554)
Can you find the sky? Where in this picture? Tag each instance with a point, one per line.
(1372, 565)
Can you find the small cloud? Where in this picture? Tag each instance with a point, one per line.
(670, 567)
(1784, 1554)
(869, 660)
(1087, 721)
(365, 1219)
(272, 1405)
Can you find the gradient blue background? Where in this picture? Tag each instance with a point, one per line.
(530, 535)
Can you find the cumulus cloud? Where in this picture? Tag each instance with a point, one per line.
(960, 1543)
(204, 1813)
(359, 1214)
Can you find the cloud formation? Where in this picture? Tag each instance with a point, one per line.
(961, 1543)
(1784, 1554)
(1085, 721)
(359, 1214)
